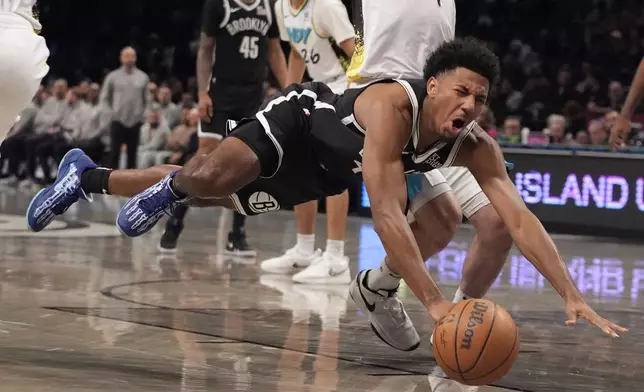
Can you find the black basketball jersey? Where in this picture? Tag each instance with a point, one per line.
(242, 31)
(441, 153)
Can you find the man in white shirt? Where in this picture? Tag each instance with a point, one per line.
(322, 42)
(23, 57)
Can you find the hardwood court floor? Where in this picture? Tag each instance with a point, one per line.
(84, 309)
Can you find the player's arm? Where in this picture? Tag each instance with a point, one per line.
(277, 61)
(483, 156)
(387, 134)
(276, 58)
(619, 132)
(296, 67)
(332, 20)
(204, 62)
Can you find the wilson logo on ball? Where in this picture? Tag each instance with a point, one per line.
(476, 318)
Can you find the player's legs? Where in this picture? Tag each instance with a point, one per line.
(23, 56)
(435, 219)
(213, 176)
(490, 248)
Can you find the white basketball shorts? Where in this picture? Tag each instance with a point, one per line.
(467, 191)
(23, 64)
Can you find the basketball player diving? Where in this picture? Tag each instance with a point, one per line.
(311, 143)
(439, 198)
(23, 60)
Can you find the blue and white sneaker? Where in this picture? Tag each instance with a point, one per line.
(143, 211)
(65, 191)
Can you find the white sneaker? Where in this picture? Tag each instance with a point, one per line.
(291, 261)
(386, 313)
(326, 269)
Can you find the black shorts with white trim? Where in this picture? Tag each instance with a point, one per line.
(297, 138)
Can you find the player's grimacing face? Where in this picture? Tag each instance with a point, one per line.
(457, 98)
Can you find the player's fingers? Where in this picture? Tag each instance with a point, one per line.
(572, 317)
(617, 328)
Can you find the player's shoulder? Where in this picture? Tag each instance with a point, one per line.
(386, 96)
(476, 142)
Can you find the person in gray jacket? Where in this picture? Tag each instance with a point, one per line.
(153, 139)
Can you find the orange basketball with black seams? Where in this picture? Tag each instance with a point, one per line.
(476, 343)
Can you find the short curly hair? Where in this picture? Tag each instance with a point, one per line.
(469, 53)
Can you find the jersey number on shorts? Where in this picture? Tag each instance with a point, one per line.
(310, 57)
(249, 47)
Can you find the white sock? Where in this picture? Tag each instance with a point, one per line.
(460, 296)
(306, 243)
(383, 278)
(335, 248)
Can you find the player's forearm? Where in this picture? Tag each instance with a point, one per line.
(204, 68)
(635, 93)
(296, 68)
(404, 256)
(537, 246)
(277, 64)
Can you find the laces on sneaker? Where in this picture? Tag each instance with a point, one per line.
(156, 203)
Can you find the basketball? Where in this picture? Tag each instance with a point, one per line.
(476, 343)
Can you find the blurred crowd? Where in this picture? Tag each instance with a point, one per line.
(566, 68)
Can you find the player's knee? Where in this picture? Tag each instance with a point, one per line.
(437, 223)
(208, 145)
(491, 231)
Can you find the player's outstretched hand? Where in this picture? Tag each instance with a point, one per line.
(578, 308)
(619, 132)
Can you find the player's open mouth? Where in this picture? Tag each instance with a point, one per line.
(457, 125)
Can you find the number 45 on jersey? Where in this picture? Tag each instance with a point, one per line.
(249, 47)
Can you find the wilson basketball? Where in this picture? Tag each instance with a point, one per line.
(476, 343)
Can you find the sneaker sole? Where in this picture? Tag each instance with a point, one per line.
(373, 327)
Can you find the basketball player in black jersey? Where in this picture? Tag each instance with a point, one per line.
(244, 38)
(311, 143)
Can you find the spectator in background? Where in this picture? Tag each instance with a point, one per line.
(511, 131)
(125, 92)
(556, 131)
(51, 112)
(153, 90)
(581, 138)
(153, 137)
(76, 114)
(91, 132)
(597, 133)
(612, 101)
(15, 141)
(179, 139)
(188, 101)
(575, 116)
(169, 110)
(46, 128)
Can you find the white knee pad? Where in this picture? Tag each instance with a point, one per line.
(434, 185)
(466, 189)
